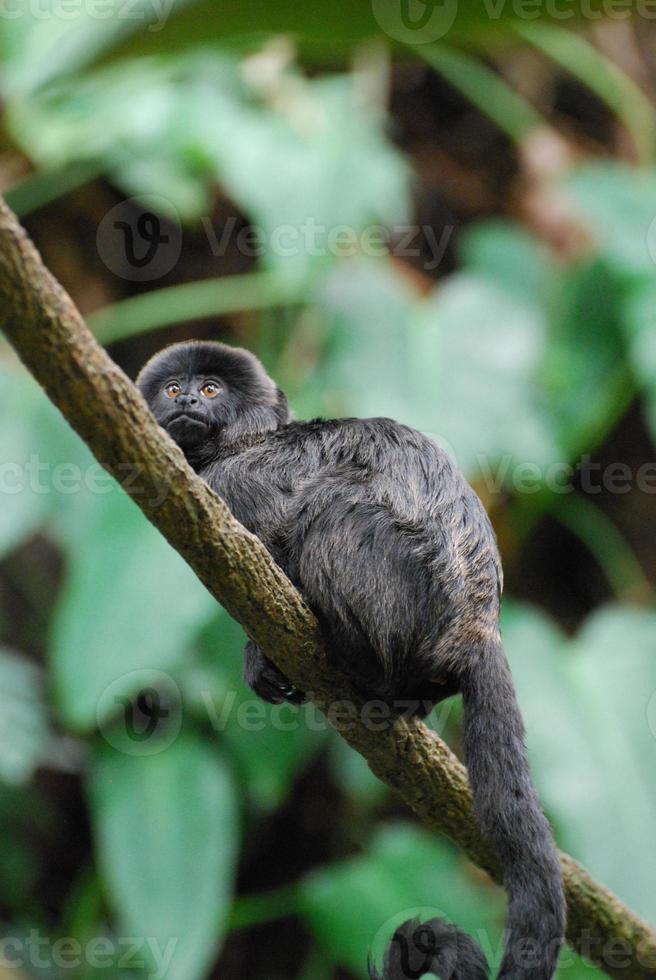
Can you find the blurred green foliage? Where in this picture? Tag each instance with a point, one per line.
(516, 361)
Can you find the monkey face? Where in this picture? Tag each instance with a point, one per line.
(209, 395)
(183, 406)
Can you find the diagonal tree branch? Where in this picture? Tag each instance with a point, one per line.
(100, 402)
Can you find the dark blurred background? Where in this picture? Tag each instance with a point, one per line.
(444, 213)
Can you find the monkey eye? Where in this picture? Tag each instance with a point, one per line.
(173, 389)
(210, 389)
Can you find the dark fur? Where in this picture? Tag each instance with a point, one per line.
(396, 556)
(432, 947)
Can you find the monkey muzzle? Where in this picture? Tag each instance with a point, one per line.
(187, 428)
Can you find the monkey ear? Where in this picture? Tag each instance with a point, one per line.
(282, 410)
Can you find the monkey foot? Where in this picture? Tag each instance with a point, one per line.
(266, 680)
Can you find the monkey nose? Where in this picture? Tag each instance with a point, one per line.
(186, 400)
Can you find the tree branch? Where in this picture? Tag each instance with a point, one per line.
(99, 401)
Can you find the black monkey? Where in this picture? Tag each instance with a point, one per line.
(395, 554)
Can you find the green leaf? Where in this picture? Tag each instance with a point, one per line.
(42, 462)
(367, 370)
(329, 165)
(602, 76)
(44, 186)
(159, 125)
(355, 905)
(536, 650)
(574, 967)
(584, 373)
(462, 365)
(41, 45)
(167, 831)
(23, 508)
(639, 322)
(130, 603)
(25, 736)
(486, 89)
(622, 720)
(195, 300)
(590, 712)
(504, 253)
(270, 744)
(25, 816)
(327, 32)
(591, 525)
(478, 353)
(127, 116)
(618, 205)
(352, 773)
(38, 48)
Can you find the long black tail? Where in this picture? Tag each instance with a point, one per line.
(510, 815)
(432, 947)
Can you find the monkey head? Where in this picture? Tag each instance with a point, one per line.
(208, 395)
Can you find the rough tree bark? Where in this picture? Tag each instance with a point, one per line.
(100, 402)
